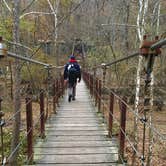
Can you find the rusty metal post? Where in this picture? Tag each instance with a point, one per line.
(94, 78)
(111, 110)
(62, 84)
(1, 103)
(99, 96)
(122, 129)
(59, 89)
(42, 120)
(93, 86)
(104, 72)
(2, 123)
(11, 79)
(90, 84)
(96, 91)
(57, 92)
(86, 76)
(54, 97)
(88, 80)
(29, 129)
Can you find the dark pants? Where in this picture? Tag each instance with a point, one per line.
(72, 89)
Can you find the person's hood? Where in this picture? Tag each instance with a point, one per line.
(72, 61)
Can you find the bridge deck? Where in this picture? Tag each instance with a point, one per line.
(76, 136)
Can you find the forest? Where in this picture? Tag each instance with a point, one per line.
(98, 32)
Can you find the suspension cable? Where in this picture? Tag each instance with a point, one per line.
(12, 117)
(13, 152)
(128, 139)
(138, 116)
(158, 44)
(27, 59)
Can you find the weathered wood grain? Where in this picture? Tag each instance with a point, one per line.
(76, 136)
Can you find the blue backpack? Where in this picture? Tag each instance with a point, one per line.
(72, 72)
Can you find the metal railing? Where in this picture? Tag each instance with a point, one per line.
(57, 92)
(50, 92)
(115, 103)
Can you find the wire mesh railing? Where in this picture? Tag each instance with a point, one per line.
(119, 117)
(39, 97)
(139, 136)
(36, 115)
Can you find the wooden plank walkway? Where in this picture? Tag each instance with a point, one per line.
(76, 136)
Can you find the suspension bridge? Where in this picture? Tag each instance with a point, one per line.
(76, 135)
(86, 131)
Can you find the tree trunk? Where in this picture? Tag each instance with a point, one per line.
(17, 102)
(155, 30)
(137, 98)
(55, 9)
(143, 5)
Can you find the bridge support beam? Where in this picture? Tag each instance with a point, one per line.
(42, 120)
(111, 110)
(122, 129)
(29, 129)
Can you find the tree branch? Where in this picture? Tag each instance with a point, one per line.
(40, 13)
(28, 6)
(7, 6)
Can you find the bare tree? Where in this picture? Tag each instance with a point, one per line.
(154, 30)
(17, 101)
(54, 8)
(143, 5)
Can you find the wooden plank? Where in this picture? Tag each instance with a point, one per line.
(73, 125)
(70, 128)
(77, 132)
(78, 159)
(77, 164)
(52, 144)
(76, 150)
(76, 136)
(77, 121)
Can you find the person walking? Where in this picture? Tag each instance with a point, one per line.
(72, 74)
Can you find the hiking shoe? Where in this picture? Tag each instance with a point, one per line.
(69, 99)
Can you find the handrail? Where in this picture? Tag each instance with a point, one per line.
(58, 90)
(122, 59)
(95, 91)
(158, 44)
(46, 65)
(13, 55)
